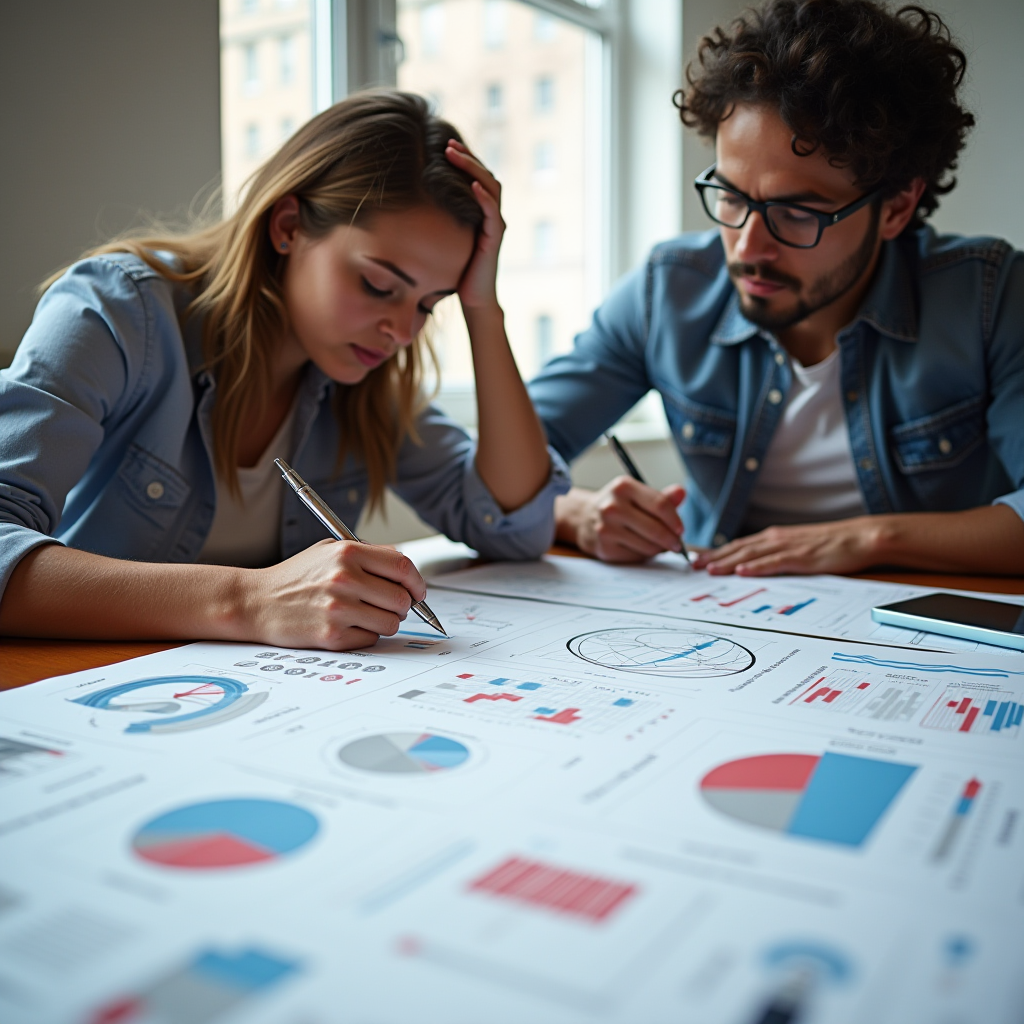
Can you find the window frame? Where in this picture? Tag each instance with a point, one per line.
(356, 45)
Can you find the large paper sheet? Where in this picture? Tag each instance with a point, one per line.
(829, 606)
(564, 813)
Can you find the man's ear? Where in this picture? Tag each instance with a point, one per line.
(897, 211)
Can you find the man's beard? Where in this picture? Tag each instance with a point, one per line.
(823, 292)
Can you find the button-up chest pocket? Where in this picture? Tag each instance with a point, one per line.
(152, 487)
(699, 430)
(941, 440)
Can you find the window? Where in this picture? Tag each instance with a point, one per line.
(252, 141)
(545, 27)
(544, 95)
(544, 158)
(432, 29)
(493, 100)
(553, 254)
(545, 335)
(250, 69)
(544, 243)
(494, 24)
(287, 59)
(261, 106)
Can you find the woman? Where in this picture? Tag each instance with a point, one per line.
(161, 377)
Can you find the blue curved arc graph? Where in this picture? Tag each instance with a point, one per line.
(102, 699)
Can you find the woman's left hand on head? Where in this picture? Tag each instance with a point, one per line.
(477, 288)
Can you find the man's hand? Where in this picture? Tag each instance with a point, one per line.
(845, 546)
(625, 521)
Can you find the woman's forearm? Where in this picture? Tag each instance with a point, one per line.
(56, 591)
(512, 457)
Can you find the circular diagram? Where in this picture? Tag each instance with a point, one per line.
(202, 700)
(662, 651)
(225, 834)
(404, 753)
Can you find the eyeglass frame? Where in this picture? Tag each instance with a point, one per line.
(825, 220)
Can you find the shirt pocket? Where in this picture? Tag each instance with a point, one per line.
(699, 429)
(939, 441)
(154, 489)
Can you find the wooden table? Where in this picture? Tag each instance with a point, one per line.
(25, 661)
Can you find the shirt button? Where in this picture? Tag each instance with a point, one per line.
(719, 539)
(751, 464)
(155, 490)
(688, 431)
(488, 519)
(945, 445)
(852, 396)
(866, 464)
(779, 358)
(353, 496)
(775, 396)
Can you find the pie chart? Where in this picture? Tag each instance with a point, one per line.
(225, 834)
(404, 753)
(834, 798)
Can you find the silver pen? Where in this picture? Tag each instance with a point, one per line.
(339, 530)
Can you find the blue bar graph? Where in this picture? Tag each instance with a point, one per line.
(794, 608)
(846, 797)
(763, 608)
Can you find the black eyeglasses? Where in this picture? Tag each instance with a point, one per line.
(790, 223)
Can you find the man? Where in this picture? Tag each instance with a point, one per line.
(845, 387)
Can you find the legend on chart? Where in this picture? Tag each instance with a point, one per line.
(976, 710)
(861, 693)
(544, 702)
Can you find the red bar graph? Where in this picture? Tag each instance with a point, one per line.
(832, 696)
(557, 889)
(490, 696)
(566, 717)
(969, 719)
(701, 597)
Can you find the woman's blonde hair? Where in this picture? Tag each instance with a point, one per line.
(376, 151)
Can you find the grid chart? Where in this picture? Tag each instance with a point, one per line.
(955, 825)
(848, 690)
(993, 711)
(562, 702)
(557, 889)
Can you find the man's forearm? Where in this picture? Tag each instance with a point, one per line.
(983, 540)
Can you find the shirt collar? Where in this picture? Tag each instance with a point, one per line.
(889, 306)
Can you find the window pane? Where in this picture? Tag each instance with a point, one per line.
(513, 81)
(266, 54)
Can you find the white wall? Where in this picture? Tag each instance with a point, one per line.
(987, 199)
(107, 108)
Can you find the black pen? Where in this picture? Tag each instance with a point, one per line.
(630, 467)
(338, 529)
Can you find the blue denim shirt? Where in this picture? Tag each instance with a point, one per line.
(105, 438)
(932, 375)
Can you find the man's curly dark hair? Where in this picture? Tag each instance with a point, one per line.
(874, 90)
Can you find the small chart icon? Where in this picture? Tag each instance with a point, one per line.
(404, 753)
(662, 651)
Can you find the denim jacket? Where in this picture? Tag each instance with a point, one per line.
(932, 372)
(105, 438)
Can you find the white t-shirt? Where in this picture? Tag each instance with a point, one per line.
(807, 474)
(246, 530)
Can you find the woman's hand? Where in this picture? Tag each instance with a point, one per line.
(337, 595)
(478, 286)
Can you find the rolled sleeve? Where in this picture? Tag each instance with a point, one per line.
(438, 478)
(1014, 501)
(524, 533)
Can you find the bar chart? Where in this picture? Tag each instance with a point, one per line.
(961, 810)
(545, 702)
(977, 710)
(850, 691)
(753, 601)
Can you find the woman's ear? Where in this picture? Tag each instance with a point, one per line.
(284, 223)
(897, 211)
